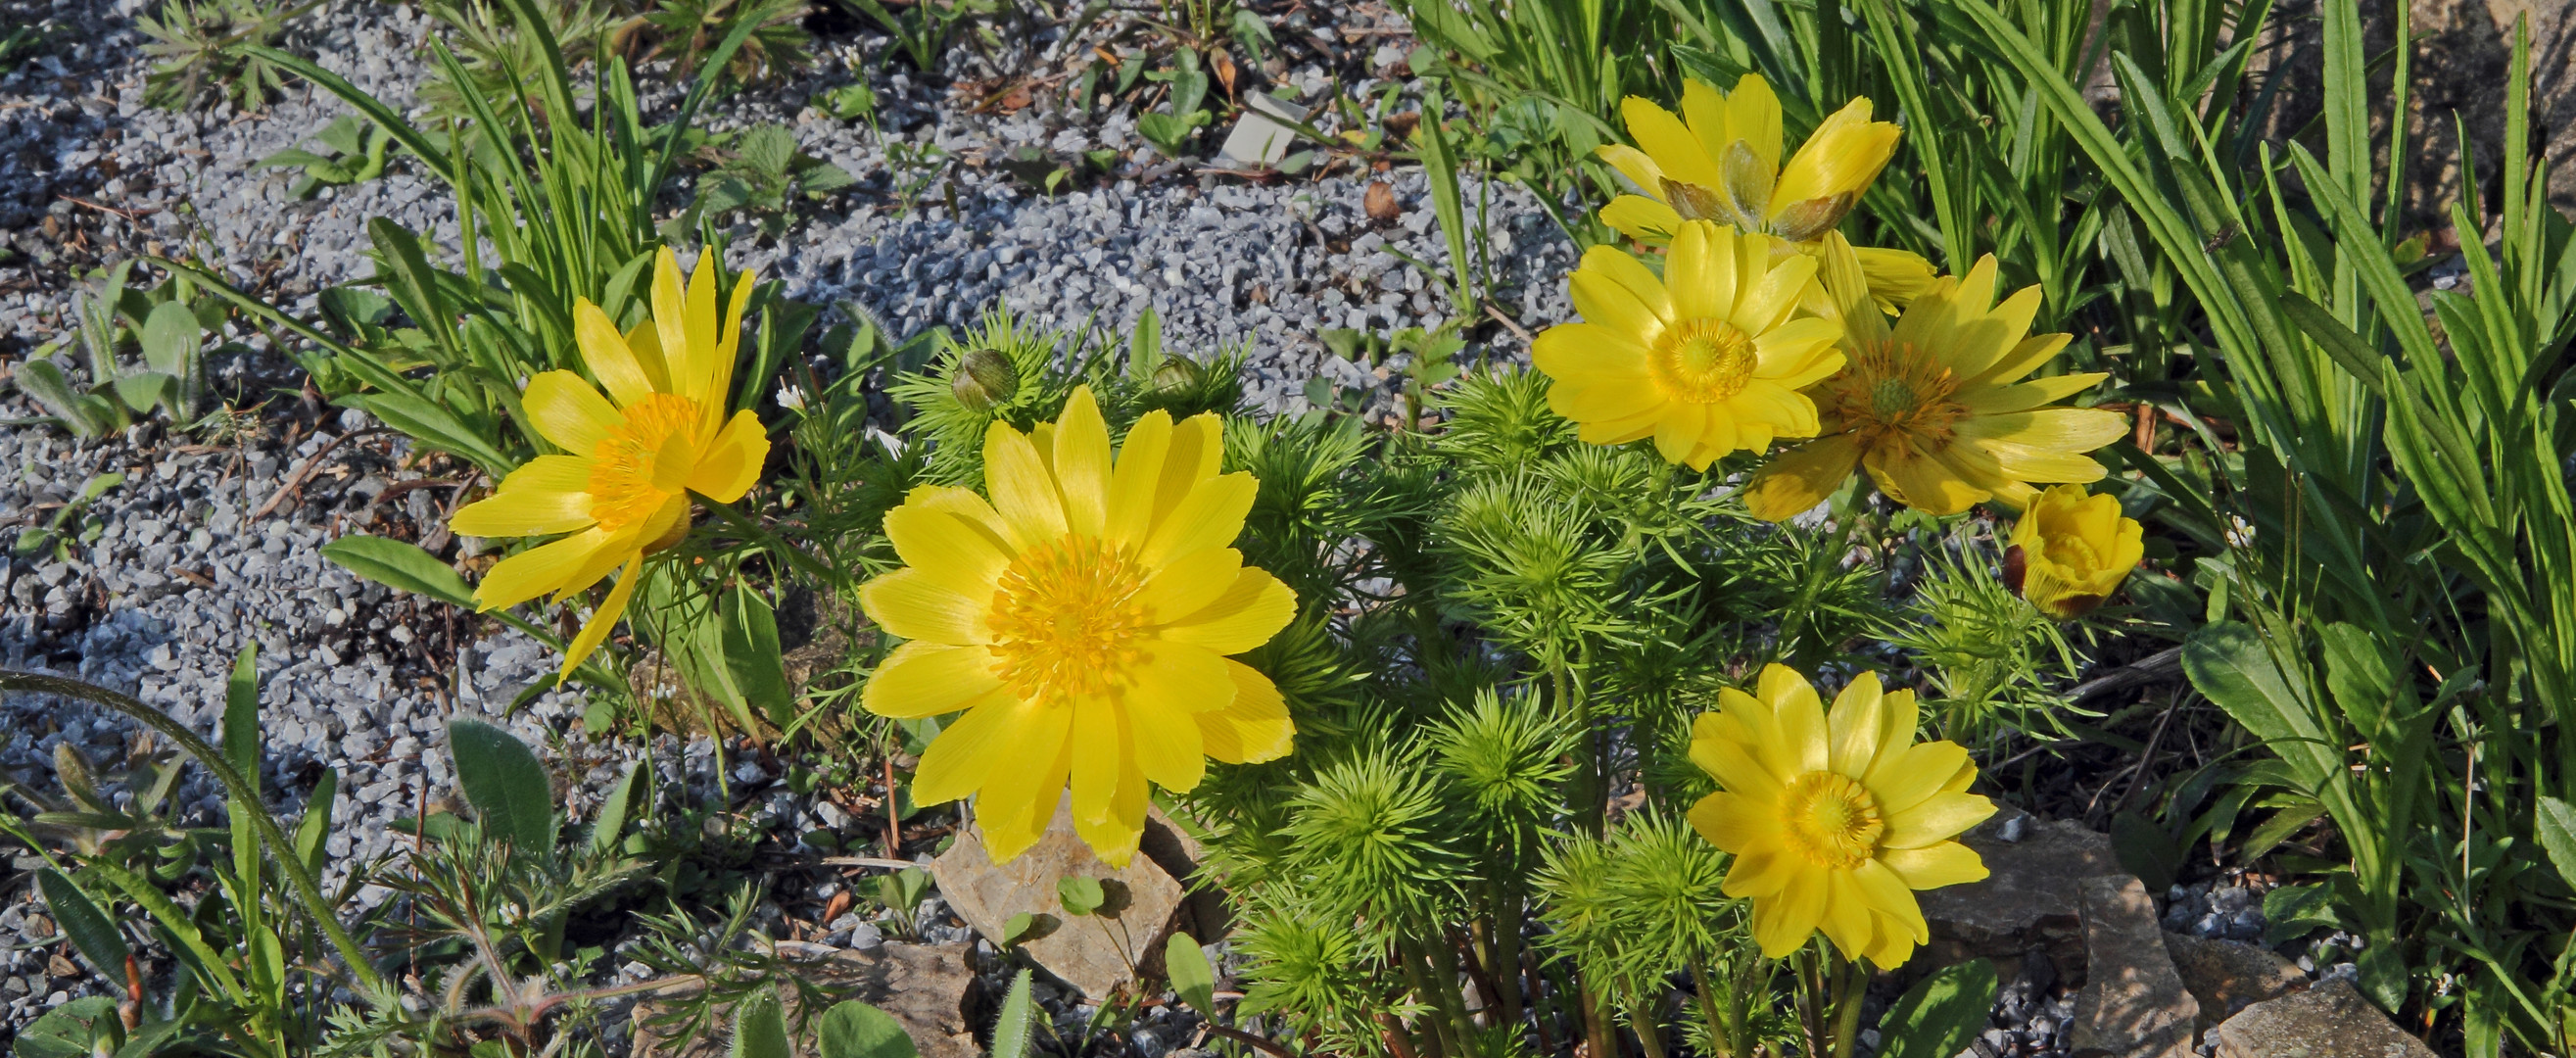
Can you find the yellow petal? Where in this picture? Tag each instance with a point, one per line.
(1639, 169)
(1990, 340)
(1798, 353)
(1100, 746)
(1896, 277)
(1680, 155)
(670, 326)
(719, 389)
(1136, 477)
(1907, 777)
(1853, 727)
(1643, 219)
(1753, 116)
(1762, 870)
(1679, 431)
(1774, 409)
(1847, 919)
(1704, 111)
(1182, 677)
(926, 679)
(605, 351)
(729, 465)
(1022, 490)
(1736, 768)
(1938, 818)
(1167, 742)
(2022, 360)
(1799, 479)
(1769, 300)
(1842, 156)
(1801, 746)
(1589, 352)
(538, 570)
(602, 620)
(1611, 289)
(1253, 608)
(1193, 457)
(1699, 272)
(1934, 866)
(1114, 834)
(1886, 893)
(1782, 924)
(545, 495)
(953, 552)
(1189, 583)
(566, 411)
(1026, 783)
(702, 324)
(2068, 430)
(912, 605)
(1255, 728)
(1082, 463)
(962, 756)
(645, 344)
(1732, 822)
(1921, 481)
(1605, 400)
(1990, 400)
(1210, 517)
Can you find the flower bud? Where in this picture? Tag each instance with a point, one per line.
(1178, 375)
(2075, 550)
(984, 378)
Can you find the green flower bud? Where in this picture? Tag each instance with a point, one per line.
(1178, 375)
(984, 378)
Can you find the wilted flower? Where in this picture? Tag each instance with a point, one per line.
(1719, 160)
(1932, 409)
(1080, 619)
(984, 378)
(791, 397)
(1705, 360)
(1834, 820)
(636, 454)
(2075, 550)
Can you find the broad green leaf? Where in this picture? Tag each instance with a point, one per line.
(1192, 978)
(504, 782)
(315, 829)
(1081, 896)
(396, 564)
(67, 1031)
(91, 931)
(1941, 1014)
(2229, 663)
(434, 426)
(241, 715)
(621, 801)
(853, 1029)
(80, 413)
(2294, 911)
(752, 657)
(1012, 1035)
(2556, 826)
(2358, 673)
(760, 1028)
(171, 338)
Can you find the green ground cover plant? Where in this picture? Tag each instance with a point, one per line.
(1620, 701)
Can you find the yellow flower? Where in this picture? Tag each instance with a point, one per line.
(634, 456)
(1081, 621)
(1834, 820)
(2075, 550)
(1705, 360)
(1720, 160)
(1932, 409)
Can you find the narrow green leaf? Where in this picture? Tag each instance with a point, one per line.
(396, 564)
(505, 783)
(621, 801)
(1941, 1014)
(241, 713)
(1012, 1035)
(67, 1031)
(2556, 826)
(1192, 978)
(91, 931)
(315, 829)
(853, 1029)
(434, 426)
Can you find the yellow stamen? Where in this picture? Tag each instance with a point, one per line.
(1832, 820)
(645, 461)
(1892, 393)
(1065, 617)
(1701, 361)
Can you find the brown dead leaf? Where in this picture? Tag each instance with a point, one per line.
(1401, 126)
(1224, 65)
(1380, 202)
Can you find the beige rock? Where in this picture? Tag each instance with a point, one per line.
(2134, 1004)
(2028, 899)
(1094, 953)
(2329, 1020)
(2227, 976)
(928, 988)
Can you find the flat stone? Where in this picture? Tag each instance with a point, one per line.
(2133, 1004)
(2027, 901)
(930, 990)
(1094, 953)
(2227, 976)
(2329, 1020)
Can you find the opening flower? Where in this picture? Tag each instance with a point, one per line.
(1705, 360)
(2075, 550)
(1719, 160)
(1081, 621)
(1932, 408)
(1834, 820)
(632, 457)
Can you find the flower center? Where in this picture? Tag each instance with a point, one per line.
(1891, 393)
(1831, 819)
(1066, 617)
(645, 461)
(1701, 361)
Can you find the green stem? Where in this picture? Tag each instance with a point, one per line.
(1505, 948)
(1596, 1023)
(1720, 1027)
(1409, 956)
(370, 985)
(1849, 989)
(1643, 1017)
